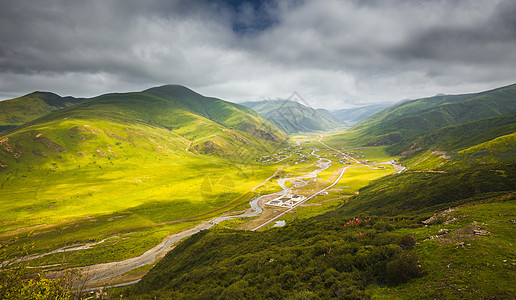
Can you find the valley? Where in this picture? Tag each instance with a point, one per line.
(143, 191)
(307, 166)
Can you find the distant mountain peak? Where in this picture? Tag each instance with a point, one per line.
(292, 116)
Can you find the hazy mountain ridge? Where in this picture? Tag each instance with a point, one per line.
(354, 115)
(292, 117)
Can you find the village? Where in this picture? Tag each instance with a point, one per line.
(288, 152)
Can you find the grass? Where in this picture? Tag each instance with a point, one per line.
(142, 157)
(482, 269)
(144, 198)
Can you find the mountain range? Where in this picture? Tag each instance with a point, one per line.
(409, 119)
(173, 115)
(351, 116)
(294, 117)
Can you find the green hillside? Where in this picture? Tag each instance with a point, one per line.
(147, 164)
(459, 137)
(309, 260)
(416, 117)
(184, 118)
(293, 117)
(16, 112)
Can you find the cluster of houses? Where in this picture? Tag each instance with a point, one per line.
(287, 201)
(272, 158)
(296, 150)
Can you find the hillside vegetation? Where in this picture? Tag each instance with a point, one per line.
(409, 119)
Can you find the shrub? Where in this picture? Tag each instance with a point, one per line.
(407, 242)
(403, 268)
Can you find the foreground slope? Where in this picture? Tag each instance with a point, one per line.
(16, 112)
(147, 164)
(292, 116)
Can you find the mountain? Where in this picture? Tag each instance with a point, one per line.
(180, 116)
(18, 111)
(415, 117)
(448, 165)
(459, 137)
(354, 115)
(291, 116)
(146, 164)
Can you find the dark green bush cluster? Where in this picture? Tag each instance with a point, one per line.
(307, 260)
(404, 267)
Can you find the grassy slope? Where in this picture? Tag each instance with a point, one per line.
(416, 117)
(459, 137)
(335, 259)
(125, 156)
(16, 112)
(479, 160)
(319, 260)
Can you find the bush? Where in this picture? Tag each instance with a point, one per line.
(403, 268)
(407, 242)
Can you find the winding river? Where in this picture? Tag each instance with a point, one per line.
(101, 272)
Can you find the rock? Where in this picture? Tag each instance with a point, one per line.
(461, 244)
(442, 231)
(481, 232)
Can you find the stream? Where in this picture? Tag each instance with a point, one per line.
(108, 270)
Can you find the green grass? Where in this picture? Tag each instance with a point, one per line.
(151, 157)
(483, 269)
(161, 196)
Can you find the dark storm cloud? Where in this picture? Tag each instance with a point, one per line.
(468, 42)
(332, 52)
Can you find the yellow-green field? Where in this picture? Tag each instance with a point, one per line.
(136, 203)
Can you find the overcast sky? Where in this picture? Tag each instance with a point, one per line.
(334, 53)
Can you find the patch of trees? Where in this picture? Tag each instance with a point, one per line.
(306, 260)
